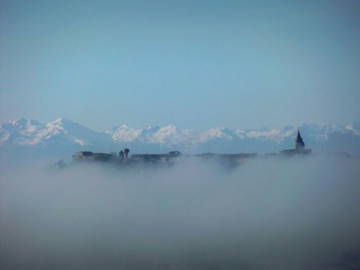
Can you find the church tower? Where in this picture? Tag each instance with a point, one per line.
(299, 147)
(299, 143)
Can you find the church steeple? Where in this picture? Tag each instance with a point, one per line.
(299, 143)
(299, 147)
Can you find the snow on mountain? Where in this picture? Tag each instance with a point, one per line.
(63, 132)
(156, 135)
(123, 133)
(21, 132)
(239, 134)
(31, 133)
(170, 135)
(352, 129)
(215, 133)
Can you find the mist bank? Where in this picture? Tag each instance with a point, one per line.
(298, 213)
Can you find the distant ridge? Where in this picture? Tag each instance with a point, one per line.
(67, 136)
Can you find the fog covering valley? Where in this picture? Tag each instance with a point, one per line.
(268, 213)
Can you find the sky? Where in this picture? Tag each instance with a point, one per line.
(194, 64)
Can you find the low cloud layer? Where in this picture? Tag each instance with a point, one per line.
(266, 214)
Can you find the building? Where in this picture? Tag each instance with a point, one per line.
(90, 156)
(299, 142)
(299, 147)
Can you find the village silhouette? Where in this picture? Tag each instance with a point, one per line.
(124, 158)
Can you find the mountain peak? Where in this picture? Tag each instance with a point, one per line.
(124, 134)
(62, 131)
(64, 121)
(23, 121)
(58, 120)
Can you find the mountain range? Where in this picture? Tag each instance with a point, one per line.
(62, 137)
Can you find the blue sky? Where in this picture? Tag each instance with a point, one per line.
(196, 65)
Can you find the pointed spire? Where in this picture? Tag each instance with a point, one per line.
(299, 143)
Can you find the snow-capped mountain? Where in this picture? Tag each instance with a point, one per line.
(56, 139)
(66, 136)
(167, 135)
(33, 133)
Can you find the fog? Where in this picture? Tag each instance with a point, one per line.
(297, 213)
